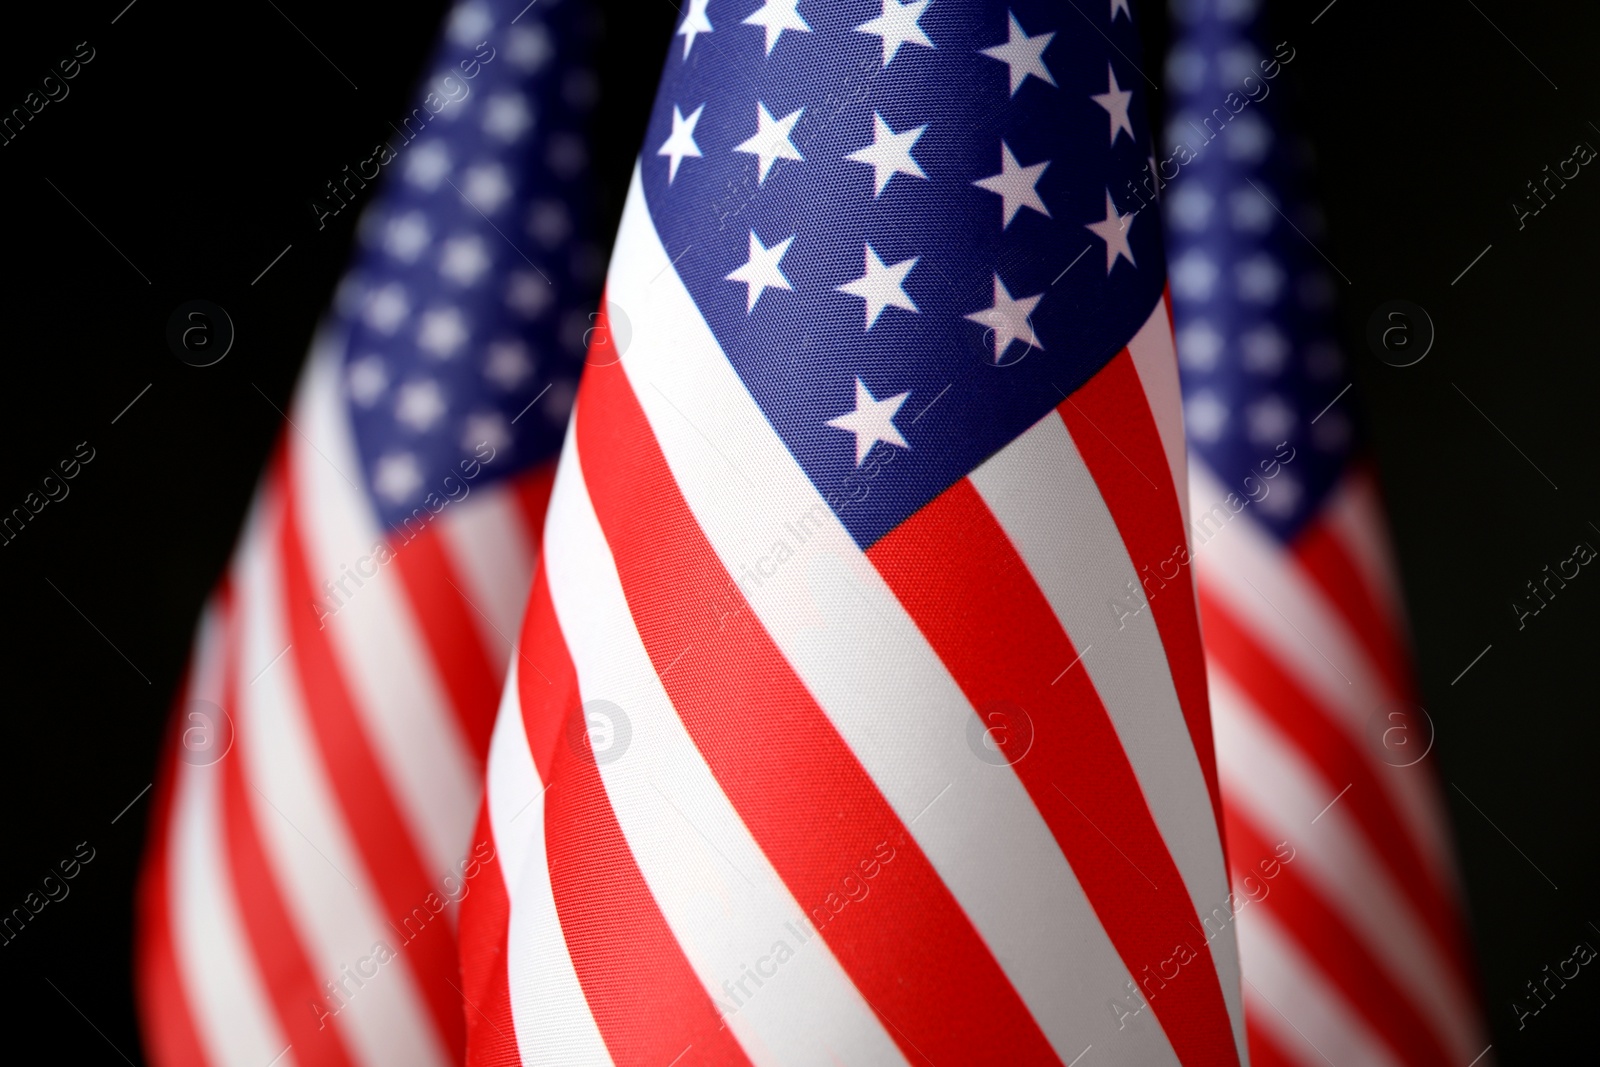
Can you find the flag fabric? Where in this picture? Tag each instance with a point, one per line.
(834, 736)
(1348, 909)
(311, 837)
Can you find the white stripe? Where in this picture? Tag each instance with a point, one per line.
(1156, 360)
(726, 905)
(211, 951)
(297, 814)
(865, 662)
(1355, 514)
(1244, 566)
(1264, 777)
(1306, 1015)
(492, 549)
(548, 1010)
(402, 704)
(1095, 592)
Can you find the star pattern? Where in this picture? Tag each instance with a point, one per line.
(1115, 101)
(1016, 186)
(898, 25)
(1023, 55)
(889, 153)
(694, 22)
(1113, 230)
(1251, 299)
(761, 272)
(776, 16)
(771, 142)
(681, 143)
(441, 315)
(881, 286)
(860, 231)
(871, 421)
(1008, 320)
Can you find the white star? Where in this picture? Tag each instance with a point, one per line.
(770, 142)
(872, 421)
(1264, 349)
(776, 16)
(548, 222)
(420, 404)
(426, 166)
(1015, 186)
(1284, 497)
(464, 259)
(1269, 419)
(507, 116)
(509, 364)
(889, 153)
(1199, 345)
(1008, 319)
(1204, 415)
(880, 286)
(1193, 275)
(396, 476)
(442, 332)
(681, 143)
(387, 308)
(1191, 208)
(470, 23)
(1115, 100)
(760, 272)
(1259, 279)
(1249, 211)
(486, 187)
(897, 25)
(366, 379)
(529, 47)
(1122, 6)
(529, 295)
(405, 237)
(486, 428)
(1248, 139)
(694, 22)
(1023, 55)
(1113, 230)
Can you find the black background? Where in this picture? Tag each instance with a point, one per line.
(196, 137)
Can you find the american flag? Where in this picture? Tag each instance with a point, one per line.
(830, 739)
(311, 835)
(1346, 901)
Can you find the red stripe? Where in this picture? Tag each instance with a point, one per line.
(166, 1018)
(645, 997)
(287, 974)
(366, 800)
(1339, 952)
(485, 985)
(531, 491)
(1264, 1048)
(448, 625)
(995, 646)
(1111, 423)
(1314, 730)
(1326, 560)
(542, 657)
(807, 801)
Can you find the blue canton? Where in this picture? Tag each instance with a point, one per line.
(1252, 299)
(467, 307)
(909, 225)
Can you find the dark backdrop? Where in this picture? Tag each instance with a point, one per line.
(181, 164)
